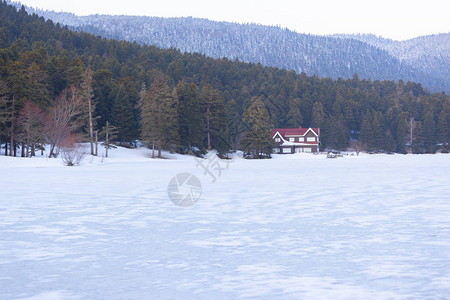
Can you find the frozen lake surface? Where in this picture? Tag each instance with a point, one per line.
(293, 227)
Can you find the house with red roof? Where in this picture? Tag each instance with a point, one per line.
(296, 140)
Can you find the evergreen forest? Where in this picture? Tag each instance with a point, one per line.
(58, 85)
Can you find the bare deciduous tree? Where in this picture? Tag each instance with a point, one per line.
(30, 122)
(358, 146)
(59, 122)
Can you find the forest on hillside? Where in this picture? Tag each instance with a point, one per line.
(189, 102)
(425, 59)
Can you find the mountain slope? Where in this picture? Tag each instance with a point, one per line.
(324, 56)
(430, 54)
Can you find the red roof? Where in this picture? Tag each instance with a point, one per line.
(293, 131)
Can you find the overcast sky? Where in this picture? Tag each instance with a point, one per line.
(396, 19)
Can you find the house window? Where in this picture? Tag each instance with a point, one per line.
(291, 139)
(307, 149)
(311, 139)
(301, 139)
(276, 150)
(287, 150)
(277, 140)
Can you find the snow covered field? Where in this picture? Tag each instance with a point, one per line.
(293, 227)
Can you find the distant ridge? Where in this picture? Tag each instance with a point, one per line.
(425, 59)
(430, 54)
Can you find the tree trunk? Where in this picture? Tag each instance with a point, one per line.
(32, 150)
(107, 139)
(91, 129)
(159, 149)
(6, 146)
(22, 149)
(209, 140)
(412, 125)
(153, 149)
(410, 139)
(87, 89)
(208, 129)
(52, 148)
(11, 143)
(28, 147)
(96, 143)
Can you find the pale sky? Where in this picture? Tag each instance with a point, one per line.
(395, 19)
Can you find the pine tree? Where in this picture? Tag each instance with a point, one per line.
(104, 89)
(365, 134)
(190, 123)
(334, 133)
(149, 116)
(318, 115)
(377, 140)
(159, 115)
(229, 134)
(342, 137)
(257, 142)
(294, 116)
(443, 129)
(214, 116)
(402, 133)
(74, 73)
(122, 116)
(6, 113)
(389, 142)
(429, 133)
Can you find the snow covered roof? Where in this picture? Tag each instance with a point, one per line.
(287, 143)
(294, 131)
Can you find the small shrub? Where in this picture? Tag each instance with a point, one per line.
(72, 155)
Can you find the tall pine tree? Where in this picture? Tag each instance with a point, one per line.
(429, 133)
(377, 140)
(294, 116)
(190, 122)
(365, 134)
(214, 116)
(122, 116)
(443, 129)
(257, 142)
(159, 115)
(402, 133)
(318, 115)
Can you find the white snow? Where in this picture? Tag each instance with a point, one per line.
(294, 227)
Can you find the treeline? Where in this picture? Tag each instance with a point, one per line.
(189, 102)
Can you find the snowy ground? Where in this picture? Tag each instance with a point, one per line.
(294, 227)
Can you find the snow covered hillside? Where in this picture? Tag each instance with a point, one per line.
(293, 227)
(423, 60)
